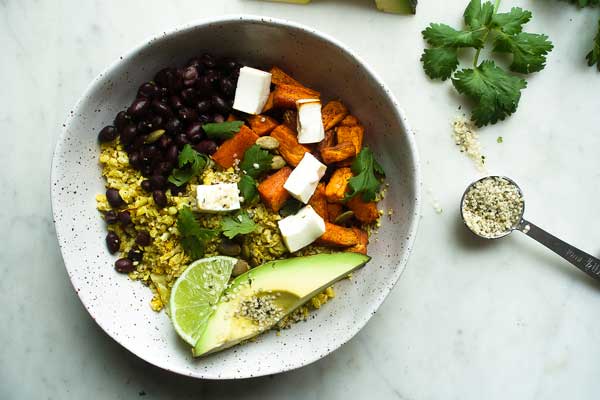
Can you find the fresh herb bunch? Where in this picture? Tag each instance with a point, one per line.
(495, 91)
(240, 224)
(593, 57)
(193, 235)
(367, 176)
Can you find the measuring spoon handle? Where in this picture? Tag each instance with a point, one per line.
(582, 260)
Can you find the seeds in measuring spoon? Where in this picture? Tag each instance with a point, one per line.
(492, 207)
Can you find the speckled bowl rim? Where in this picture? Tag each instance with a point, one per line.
(400, 116)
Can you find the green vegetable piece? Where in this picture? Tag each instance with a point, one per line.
(256, 161)
(154, 136)
(191, 163)
(222, 130)
(593, 57)
(496, 92)
(397, 6)
(529, 50)
(364, 181)
(248, 189)
(240, 224)
(193, 236)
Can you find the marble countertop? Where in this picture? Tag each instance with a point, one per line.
(468, 319)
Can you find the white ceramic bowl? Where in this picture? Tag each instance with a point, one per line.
(121, 307)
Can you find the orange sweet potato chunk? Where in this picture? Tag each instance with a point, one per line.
(289, 148)
(271, 189)
(269, 104)
(349, 120)
(234, 148)
(332, 113)
(341, 151)
(278, 77)
(363, 241)
(262, 124)
(365, 212)
(328, 141)
(285, 96)
(333, 211)
(335, 191)
(352, 134)
(318, 201)
(338, 236)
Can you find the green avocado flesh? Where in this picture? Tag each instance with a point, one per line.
(274, 289)
(397, 6)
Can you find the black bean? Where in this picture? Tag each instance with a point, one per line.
(208, 80)
(218, 118)
(148, 90)
(190, 74)
(227, 87)
(135, 158)
(163, 168)
(229, 64)
(121, 120)
(189, 96)
(187, 115)
(203, 106)
(207, 147)
(124, 265)
(165, 142)
(175, 102)
(172, 153)
(161, 108)
(220, 104)
(173, 126)
(161, 93)
(181, 140)
(162, 77)
(157, 122)
(146, 185)
(144, 127)
(204, 118)
(139, 107)
(194, 129)
(135, 255)
(175, 81)
(193, 62)
(208, 60)
(158, 182)
(108, 134)
(143, 238)
(113, 242)
(146, 170)
(175, 190)
(229, 248)
(149, 152)
(114, 198)
(159, 198)
(125, 218)
(110, 217)
(128, 133)
(138, 142)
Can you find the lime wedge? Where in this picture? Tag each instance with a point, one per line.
(196, 293)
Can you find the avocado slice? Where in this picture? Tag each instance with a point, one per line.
(397, 6)
(258, 299)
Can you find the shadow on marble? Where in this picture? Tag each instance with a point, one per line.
(467, 239)
(356, 4)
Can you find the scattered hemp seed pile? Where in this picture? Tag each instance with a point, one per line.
(492, 207)
(467, 139)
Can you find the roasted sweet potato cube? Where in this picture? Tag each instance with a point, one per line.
(289, 148)
(290, 119)
(335, 191)
(365, 212)
(328, 141)
(363, 241)
(271, 189)
(318, 201)
(278, 77)
(269, 104)
(339, 152)
(262, 124)
(333, 211)
(234, 148)
(353, 134)
(285, 96)
(338, 236)
(333, 113)
(349, 120)
(231, 118)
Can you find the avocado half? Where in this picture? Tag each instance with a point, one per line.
(397, 6)
(290, 282)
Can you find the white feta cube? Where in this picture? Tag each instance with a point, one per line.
(301, 229)
(303, 180)
(252, 90)
(222, 197)
(310, 122)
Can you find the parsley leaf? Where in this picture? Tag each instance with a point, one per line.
(193, 235)
(240, 224)
(364, 181)
(496, 92)
(529, 50)
(593, 57)
(191, 163)
(248, 189)
(256, 161)
(222, 130)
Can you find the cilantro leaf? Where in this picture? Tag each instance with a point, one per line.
(512, 22)
(290, 207)
(496, 93)
(222, 130)
(477, 15)
(240, 224)
(442, 35)
(248, 188)
(191, 163)
(593, 57)
(440, 62)
(529, 50)
(256, 161)
(364, 180)
(193, 235)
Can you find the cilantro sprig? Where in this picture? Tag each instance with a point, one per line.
(256, 161)
(495, 91)
(248, 189)
(239, 224)
(593, 57)
(193, 235)
(366, 171)
(222, 130)
(190, 163)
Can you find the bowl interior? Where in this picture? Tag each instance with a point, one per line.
(121, 307)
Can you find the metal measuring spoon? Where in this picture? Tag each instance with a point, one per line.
(585, 262)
